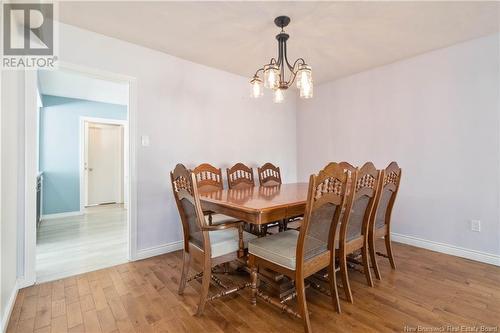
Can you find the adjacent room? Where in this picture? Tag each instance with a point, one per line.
(81, 184)
(250, 166)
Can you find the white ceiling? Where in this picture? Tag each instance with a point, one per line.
(336, 38)
(65, 83)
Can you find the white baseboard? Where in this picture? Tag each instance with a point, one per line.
(458, 251)
(61, 215)
(9, 307)
(23, 283)
(158, 250)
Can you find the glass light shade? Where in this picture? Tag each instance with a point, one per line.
(304, 75)
(279, 96)
(271, 76)
(306, 90)
(257, 87)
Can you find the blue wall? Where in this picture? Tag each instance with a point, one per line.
(60, 148)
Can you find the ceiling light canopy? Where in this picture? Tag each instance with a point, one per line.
(273, 75)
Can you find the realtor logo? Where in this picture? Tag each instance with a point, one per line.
(28, 35)
(37, 24)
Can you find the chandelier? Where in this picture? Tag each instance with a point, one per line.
(274, 73)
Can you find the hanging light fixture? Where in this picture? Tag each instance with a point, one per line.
(274, 73)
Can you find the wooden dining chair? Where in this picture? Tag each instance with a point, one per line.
(269, 175)
(380, 224)
(209, 245)
(209, 179)
(353, 235)
(299, 254)
(240, 176)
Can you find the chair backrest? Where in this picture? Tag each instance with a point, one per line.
(389, 186)
(269, 175)
(363, 200)
(348, 167)
(208, 177)
(188, 204)
(326, 201)
(240, 176)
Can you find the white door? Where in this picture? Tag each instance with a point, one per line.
(103, 163)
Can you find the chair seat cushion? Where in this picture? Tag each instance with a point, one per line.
(221, 218)
(281, 248)
(226, 241)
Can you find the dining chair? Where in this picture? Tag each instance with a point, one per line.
(299, 254)
(269, 175)
(348, 167)
(380, 224)
(209, 179)
(209, 245)
(240, 176)
(353, 235)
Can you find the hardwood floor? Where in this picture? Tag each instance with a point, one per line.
(73, 245)
(428, 289)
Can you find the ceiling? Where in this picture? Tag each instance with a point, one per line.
(66, 83)
(336, 38)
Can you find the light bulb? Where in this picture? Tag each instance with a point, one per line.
(257, 88)
(306, 90)
(279, 96)
(271, 76)
(271, 79)
(304, 75)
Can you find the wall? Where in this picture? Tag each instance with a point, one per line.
(75, 85)
(60, 148)
(12, 164)
(437, 114)
(192, 114)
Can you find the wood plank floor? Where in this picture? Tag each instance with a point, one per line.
(428, 289)
(73, 245)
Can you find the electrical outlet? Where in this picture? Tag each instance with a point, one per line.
(475, 225)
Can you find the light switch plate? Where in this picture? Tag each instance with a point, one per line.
(475, 225)
(145, 140)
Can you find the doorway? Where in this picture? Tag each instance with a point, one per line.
(84, 154)
(103, 173)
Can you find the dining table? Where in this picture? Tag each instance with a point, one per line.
(259, 206)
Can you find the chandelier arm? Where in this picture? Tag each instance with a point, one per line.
(293, 72)
(259, 70)
(303, 62)
(293, 75)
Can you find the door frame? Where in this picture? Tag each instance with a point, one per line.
(126, 163)
(28, 276)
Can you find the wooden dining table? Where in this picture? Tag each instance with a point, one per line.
(258, 205)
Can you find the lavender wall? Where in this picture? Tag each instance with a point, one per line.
(192, 114)
(437, 114)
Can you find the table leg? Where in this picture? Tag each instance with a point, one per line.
(261, 230)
